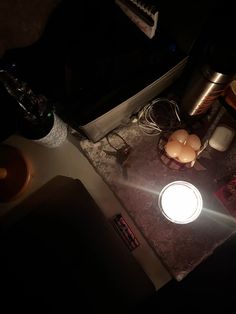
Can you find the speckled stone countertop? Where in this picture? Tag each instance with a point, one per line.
(180, 247)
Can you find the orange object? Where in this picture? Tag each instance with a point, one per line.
(182, 146)
(3, 173)
(193, 141)
(14, 173)
(173, 148)
(187, 154)
(230, 94)
(180, 135)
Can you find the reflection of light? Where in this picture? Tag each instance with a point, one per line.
(180, 202)
(221, 218)
(138, 187)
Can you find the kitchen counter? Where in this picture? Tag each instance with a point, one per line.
(67, 160)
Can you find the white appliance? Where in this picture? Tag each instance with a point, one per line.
(100, 126)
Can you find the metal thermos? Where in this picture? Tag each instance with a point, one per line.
(203, 89)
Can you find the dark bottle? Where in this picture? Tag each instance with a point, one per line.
(36, 113)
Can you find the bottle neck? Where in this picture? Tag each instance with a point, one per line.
(33, 107)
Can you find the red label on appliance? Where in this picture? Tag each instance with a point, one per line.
(125, 232)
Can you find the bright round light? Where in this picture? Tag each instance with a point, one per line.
(180, 202)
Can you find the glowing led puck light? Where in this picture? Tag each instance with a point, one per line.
(180, 202)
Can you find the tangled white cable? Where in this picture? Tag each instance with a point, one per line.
(159, 115)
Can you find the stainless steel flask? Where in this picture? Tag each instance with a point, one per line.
(203, 89)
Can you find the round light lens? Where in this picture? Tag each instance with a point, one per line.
(180, 202)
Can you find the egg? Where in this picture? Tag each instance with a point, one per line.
(187, 154)
(180, 135)
(193, 141)
(173, 148)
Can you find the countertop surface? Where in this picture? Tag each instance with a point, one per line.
(69, 161)
(181, 247)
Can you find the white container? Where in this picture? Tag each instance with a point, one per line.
(222, 138)
(56, 136)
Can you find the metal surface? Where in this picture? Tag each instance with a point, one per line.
(102, 125)
(204, 88)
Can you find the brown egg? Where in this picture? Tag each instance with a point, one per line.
(193, 141)
(173, 148)
(180, 135)
(187, 154)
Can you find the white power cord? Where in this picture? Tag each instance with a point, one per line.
(159, 115)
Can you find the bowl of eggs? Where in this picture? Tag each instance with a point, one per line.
(179, 149)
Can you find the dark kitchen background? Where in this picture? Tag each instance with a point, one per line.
(62, 49)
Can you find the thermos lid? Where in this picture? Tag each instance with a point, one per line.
(221, 52)
(216, 77)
